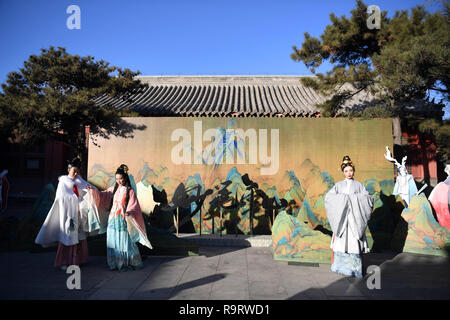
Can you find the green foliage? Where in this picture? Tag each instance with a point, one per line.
(51, 97)
(429, 126)
(377, 111)
(417, 58)
(442, 135)
(399, 63)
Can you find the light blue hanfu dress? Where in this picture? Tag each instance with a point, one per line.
(122, 253)
(348, 206)
(125, 227)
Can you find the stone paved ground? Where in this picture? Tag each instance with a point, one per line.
(220, 273)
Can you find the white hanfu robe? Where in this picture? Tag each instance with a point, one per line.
(66, 222)
(405, 187)
(348, 206)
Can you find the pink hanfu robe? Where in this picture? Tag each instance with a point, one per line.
(125, 226)
(440, 199)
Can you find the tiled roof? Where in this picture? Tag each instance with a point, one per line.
(225, 96)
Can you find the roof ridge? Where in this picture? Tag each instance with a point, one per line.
(223, 75)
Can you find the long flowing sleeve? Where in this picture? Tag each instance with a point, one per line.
(62, 222)
(135, 221)
(99, 203)
(88, 213)
(336, 208)
(102, 199)
(360, 209)
(83, 184)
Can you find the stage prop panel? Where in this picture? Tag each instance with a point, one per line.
(235, 175)
(419, 232)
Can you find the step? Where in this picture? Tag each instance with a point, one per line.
(228, 240)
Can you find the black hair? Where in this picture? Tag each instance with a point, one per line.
(75, 162)
(122, 170)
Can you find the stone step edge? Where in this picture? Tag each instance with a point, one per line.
(226, 240)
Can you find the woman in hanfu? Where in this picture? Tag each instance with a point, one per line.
(440, 200)
(66, 222)
(348, 206)
(125, 223)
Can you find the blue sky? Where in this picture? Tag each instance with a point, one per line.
(194, 37)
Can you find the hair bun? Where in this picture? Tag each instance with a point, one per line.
(124, 168)
(75, 162)
(346, 161)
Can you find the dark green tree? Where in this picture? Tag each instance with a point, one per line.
(52, 97)
(401, 64)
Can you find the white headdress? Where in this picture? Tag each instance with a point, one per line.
(389, 157)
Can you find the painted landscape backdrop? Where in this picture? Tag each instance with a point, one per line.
(216, 176)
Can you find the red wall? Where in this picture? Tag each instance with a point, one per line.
(421, 157)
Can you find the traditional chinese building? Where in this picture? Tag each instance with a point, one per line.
(204, 96)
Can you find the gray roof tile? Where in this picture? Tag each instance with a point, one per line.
(223, 96)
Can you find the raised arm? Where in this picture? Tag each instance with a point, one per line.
(102, 199)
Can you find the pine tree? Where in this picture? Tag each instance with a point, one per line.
(52, 97)
(400, 64)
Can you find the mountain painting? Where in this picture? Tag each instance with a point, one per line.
(240, 173)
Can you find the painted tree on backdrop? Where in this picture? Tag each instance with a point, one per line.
(402, 63)
(51, 98)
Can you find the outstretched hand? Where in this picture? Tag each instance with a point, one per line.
(387, 155)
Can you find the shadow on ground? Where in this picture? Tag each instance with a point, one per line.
(401, 276)
(169, 292)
